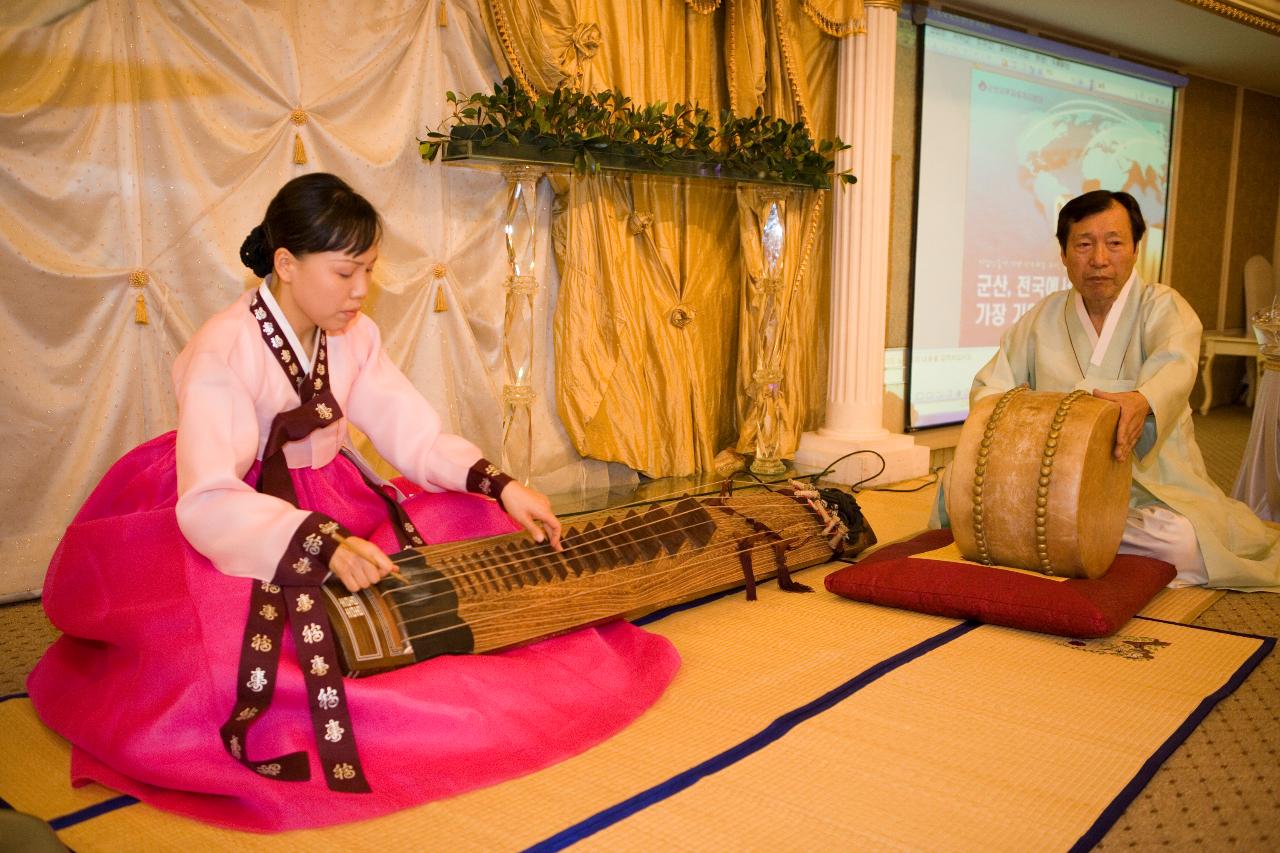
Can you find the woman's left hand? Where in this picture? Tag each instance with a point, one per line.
(532, 511)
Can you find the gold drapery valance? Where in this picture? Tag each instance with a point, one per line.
(775, 58)
(529, 37)
(836, 18)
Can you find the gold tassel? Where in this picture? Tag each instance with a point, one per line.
(138, 279)
(443, 19)
(438, 272)
(299, 118)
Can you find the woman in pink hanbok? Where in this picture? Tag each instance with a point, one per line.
(176, 680)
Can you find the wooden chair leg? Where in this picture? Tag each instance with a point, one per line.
(1206, 375)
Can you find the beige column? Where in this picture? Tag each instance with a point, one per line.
(860, 267)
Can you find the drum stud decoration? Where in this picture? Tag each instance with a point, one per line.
(980, 471)
(1034, 483)
(1042, 484)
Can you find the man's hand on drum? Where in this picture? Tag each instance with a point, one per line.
(359, 564)
(1134, 409)
(532, 511)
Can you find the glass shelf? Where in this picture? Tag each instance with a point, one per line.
(568, 504)
(561, 160)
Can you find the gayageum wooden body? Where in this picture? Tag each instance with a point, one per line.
(492, 593)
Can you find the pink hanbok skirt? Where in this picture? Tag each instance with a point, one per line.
(145, 671)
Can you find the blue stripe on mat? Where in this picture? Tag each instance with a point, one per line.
(89, 812)
(1203, 628)
(662, 613)
(1127, 794)
(774, 731)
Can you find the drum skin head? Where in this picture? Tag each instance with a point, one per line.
(1028, 460)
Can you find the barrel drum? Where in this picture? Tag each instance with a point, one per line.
(1034, 484)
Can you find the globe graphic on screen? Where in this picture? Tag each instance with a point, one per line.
(1081, 145)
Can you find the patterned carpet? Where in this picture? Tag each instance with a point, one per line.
(1219, 790)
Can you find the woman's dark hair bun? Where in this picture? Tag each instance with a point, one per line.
(256, 254)
(312, 213)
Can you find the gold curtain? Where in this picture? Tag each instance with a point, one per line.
(778, 60)
(779, 56)
(799, 340)
(645, 327)
(655, 307)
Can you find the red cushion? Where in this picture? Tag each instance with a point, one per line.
(1070, 608)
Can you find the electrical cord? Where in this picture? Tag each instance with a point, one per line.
(933, 475)
(816, 477)
(932, 478)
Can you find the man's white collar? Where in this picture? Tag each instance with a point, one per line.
(1102, 340)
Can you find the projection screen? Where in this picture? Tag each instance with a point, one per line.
(1009, 132)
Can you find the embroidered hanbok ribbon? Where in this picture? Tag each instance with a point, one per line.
(402, 526)
(293, 592)
(293, 595)
(485, 478)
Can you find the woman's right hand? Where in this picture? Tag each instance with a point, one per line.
(359, 564)
(531, 509)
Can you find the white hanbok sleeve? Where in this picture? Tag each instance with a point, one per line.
(243, 532)
(1171, 344)
(403, 426)
(1013, 363)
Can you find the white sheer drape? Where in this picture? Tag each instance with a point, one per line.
(1258, 482)
(140, 141)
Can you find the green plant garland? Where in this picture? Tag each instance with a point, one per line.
(757, 147)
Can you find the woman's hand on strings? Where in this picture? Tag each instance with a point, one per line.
(532, 511)
(358, 563)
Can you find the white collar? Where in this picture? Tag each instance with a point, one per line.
(305, 358)
(1102, 340)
